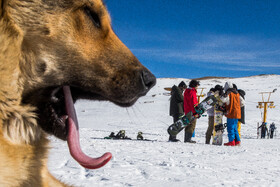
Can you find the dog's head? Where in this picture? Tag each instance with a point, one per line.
(70, 43)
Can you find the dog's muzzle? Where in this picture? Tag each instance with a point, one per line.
(148, 81)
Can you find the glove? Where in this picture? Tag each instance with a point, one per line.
(196, 115)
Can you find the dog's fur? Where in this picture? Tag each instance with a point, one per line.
(44, 45)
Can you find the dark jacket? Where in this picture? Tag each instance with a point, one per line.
(242, 94)
(176, 101)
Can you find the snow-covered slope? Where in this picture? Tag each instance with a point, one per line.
(160, 163)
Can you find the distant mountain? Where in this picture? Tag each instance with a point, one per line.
(215, 77)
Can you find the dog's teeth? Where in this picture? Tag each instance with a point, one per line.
(63, 118)
(54, 99)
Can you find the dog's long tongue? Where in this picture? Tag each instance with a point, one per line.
(73, 137)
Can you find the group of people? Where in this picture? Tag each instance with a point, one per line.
(184, 99)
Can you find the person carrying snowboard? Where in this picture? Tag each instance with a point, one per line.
(190, 100)
(219, 89)
(233, 103)
(176, 104)
(210, 113)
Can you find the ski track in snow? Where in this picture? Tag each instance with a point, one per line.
(160, 163)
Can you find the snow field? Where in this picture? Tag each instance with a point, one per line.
(160, 163)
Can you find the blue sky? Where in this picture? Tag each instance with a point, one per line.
(197, 38)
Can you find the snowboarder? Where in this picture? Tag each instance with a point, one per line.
(242, 93)
(176, 104)
(190, 100)
(210, 112)
(233, 102)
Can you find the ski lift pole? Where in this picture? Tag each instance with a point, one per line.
(200, 95)
(266, 104)
(265, 112)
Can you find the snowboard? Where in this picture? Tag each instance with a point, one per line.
(218, 126)
(185, 120)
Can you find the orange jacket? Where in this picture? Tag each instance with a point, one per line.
(234, 109)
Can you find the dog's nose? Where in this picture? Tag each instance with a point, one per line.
(149, 80)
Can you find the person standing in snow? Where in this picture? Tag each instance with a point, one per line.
(190, 100)
(264, 129)
(176, 104)
(219, 90)
(242, 119)
(210, 113)
(233, 102)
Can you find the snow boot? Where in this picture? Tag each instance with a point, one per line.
(232, 143)
(120, 135)
(112, 135)
(140, 136)
(173, 139)
(237, 143)
(188, 138)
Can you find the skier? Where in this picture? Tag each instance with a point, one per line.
(176, 104)
(272, 129)
(263, 129)
(190, 100)
(233, 102)
(242, 119)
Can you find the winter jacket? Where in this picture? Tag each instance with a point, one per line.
(242, 94)
(176, 101)
(190, 99)
(233, 104)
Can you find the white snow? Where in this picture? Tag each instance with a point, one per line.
(160, 163)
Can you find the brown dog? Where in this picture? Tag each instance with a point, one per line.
(48, 47)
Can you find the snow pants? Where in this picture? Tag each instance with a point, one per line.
(232, 130)
(190, 128)
(239, 128)
(210, 128)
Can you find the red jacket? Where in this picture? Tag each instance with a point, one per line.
(190, 99)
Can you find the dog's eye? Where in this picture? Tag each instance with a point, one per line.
(93, 16)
